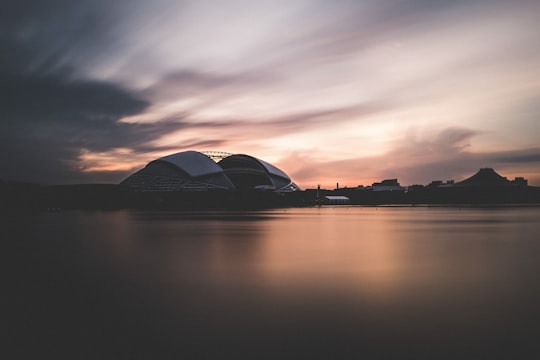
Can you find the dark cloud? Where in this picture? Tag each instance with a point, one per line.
(208, 88)
(187, 144)
(44, 36)
(190, 80)
(300, 121)
(455, 138)
(523, 156)
(48, 113)
(48, 120)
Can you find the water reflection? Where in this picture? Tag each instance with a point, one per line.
(318, 282)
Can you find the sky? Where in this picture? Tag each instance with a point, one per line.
(343, 91)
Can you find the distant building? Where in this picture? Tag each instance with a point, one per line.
(333, 199)
(520, 181)
(439, 183)
(415, 187)
(387, 185)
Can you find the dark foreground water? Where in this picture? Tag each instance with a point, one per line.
(317, 283)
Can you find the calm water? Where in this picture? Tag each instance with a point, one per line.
(329, 283)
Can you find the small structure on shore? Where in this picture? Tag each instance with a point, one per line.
(336, 199)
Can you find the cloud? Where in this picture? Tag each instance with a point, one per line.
(188, 81)
(202, 101)
(84, 81)
(522, 156)
(48, 120)
(50, 112)
(44, 36)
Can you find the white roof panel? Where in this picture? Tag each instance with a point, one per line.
(272, 169)
(193, 163)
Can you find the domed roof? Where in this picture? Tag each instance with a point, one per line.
(193, 170)
(194, 163)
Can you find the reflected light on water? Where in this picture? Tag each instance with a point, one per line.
(378, 255)
(332, 249)
(372, 281)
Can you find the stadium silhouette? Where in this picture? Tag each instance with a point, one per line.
(199, 171)
(215, 180)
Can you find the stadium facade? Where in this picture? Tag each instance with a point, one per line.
(193, 171)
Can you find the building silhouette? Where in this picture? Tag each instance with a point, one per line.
(195, 180)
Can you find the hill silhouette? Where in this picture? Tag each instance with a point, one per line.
(485, 177)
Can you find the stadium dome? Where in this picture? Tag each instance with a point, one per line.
(196, 171)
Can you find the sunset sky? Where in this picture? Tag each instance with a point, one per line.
(329, 91)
